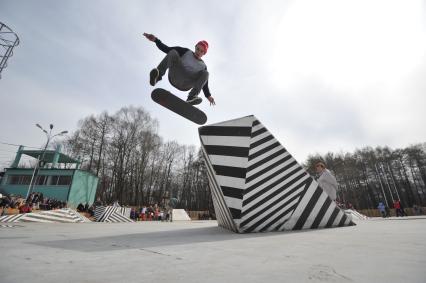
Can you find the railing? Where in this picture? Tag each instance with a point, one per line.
(8, 40)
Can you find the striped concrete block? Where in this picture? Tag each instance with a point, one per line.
(50, 216)
(258, 186)
(10, 218)
(112, 214)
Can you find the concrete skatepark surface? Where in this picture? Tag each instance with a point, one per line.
(376, 250)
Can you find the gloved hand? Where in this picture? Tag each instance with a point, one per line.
(149, 36)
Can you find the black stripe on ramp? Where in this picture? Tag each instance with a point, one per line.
(230, 171)
(258, 132)
(343, 220)
(308, 209)
(232, 192)
(227, 150)
(259, 142)
(225, 131)
(321, 213)
(263, 151)
(236, 213)
(332, 217)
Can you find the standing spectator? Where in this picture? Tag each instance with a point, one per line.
(401, 209)
(25, 208)
(3, 204)
(143, 213)
(156, 213)
(133, 214)
(326, 180)
(382, 209)
(397, 206)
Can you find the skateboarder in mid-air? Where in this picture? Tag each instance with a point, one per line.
(186, 69)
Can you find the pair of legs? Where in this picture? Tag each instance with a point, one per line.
(400, 212)
(179, 77)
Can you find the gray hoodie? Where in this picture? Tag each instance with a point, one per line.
(328, 183)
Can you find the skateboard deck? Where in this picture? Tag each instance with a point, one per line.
(170, 101)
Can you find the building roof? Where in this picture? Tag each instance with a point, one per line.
(48, 156)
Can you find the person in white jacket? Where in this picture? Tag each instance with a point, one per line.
(326, 180)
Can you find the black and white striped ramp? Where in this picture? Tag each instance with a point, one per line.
(49, 216)
(258, 186)
(112, 214)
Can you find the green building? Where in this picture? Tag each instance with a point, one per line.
(58, 177)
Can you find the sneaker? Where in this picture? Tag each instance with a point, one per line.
(154, 76)
(194, 100)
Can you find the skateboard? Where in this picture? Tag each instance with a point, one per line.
(170, 101)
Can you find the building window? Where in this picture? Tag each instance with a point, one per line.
(40, 180)
(13, 179)
(53, 180)
(18, 179)
(26, 180)
(64, 180)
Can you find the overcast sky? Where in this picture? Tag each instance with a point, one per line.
(320, 75)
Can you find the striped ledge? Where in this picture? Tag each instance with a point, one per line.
(256, 184)
(112, 214)
(65, 215)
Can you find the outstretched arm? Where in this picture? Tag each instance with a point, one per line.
(164, 47)
(207, 94)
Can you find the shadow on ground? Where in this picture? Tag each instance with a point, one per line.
(155, 239)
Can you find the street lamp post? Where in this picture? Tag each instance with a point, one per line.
(41, 160)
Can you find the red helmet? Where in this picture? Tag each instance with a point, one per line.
(204, 44)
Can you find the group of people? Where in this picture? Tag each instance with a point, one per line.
(328, 183)
(35, 201)
(385, 210)
(86, 208)
(150, 213)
